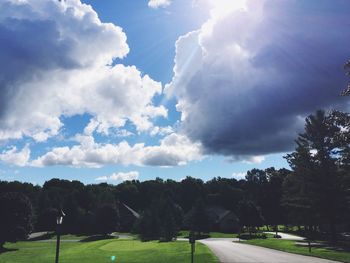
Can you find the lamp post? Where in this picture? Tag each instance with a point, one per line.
(192, 240)
(59, 221)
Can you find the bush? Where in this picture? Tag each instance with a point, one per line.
(247, 236)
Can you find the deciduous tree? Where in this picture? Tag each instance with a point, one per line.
(15, 219)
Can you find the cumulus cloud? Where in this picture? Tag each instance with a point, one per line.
(247, 78)
(133, 175)
(159, 3)
(174, 149)
(15, 157)
(55, 61)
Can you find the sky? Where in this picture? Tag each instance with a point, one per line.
(114, 90)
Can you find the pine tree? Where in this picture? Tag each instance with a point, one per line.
(316, 189)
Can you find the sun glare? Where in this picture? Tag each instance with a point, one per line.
(221, 8)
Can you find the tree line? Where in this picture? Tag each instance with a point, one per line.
(314, 194)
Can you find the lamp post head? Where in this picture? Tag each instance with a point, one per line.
(60, 216)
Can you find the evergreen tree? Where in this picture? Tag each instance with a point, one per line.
(148, 225)
(198, 218)
(316, 187)
(168, 223)
(272, 209)
(106, 219)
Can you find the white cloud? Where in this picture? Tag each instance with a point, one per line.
(102, 178)
(55, 63)
(174, 149)
(128, 176)
(14, 157)
(247, 78)
(248, 159)
(159, 3)
(239, 175)
(255, 159)
(124, 133)
(161, 130)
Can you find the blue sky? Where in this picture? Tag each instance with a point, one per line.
(117, 89)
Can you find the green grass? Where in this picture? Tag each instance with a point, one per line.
(289, 246)
(130, 251)
(70, 237)
(185, 233)
(222, 235)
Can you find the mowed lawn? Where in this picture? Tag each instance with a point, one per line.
(289, 246)
(132, 251)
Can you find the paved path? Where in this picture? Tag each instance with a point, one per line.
(122, 236)
(230, 252)
(37, 235)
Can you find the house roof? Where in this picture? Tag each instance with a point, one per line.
(219, 213)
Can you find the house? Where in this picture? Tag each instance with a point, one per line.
(223, 220)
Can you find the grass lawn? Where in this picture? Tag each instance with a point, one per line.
(70, 237)
(289, 246)
(130, 251)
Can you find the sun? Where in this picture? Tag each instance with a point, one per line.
(221, 8)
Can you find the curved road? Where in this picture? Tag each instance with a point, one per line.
(230, 252)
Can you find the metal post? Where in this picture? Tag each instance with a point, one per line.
(309, 245)
(58, 243)
(192, 252)
(192, 240)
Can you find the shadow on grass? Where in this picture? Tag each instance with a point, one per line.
(5, 250)
(198, 237)
(339, 247)
(97, 237)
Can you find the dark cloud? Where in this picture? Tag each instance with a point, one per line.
(29, 48)
(260, 73)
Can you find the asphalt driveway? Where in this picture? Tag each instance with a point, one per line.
(230, 252)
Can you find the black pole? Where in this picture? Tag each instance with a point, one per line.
(192, 252)
(192, 240)
(58, 243)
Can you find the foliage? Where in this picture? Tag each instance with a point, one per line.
(107, 219)
(249, 215)
(46, 220)
(148, 226)
(248, 236)
(346, 92)
(15, 218)
(263, 188)
(161, 221)
(198, 219)
(315, 193)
